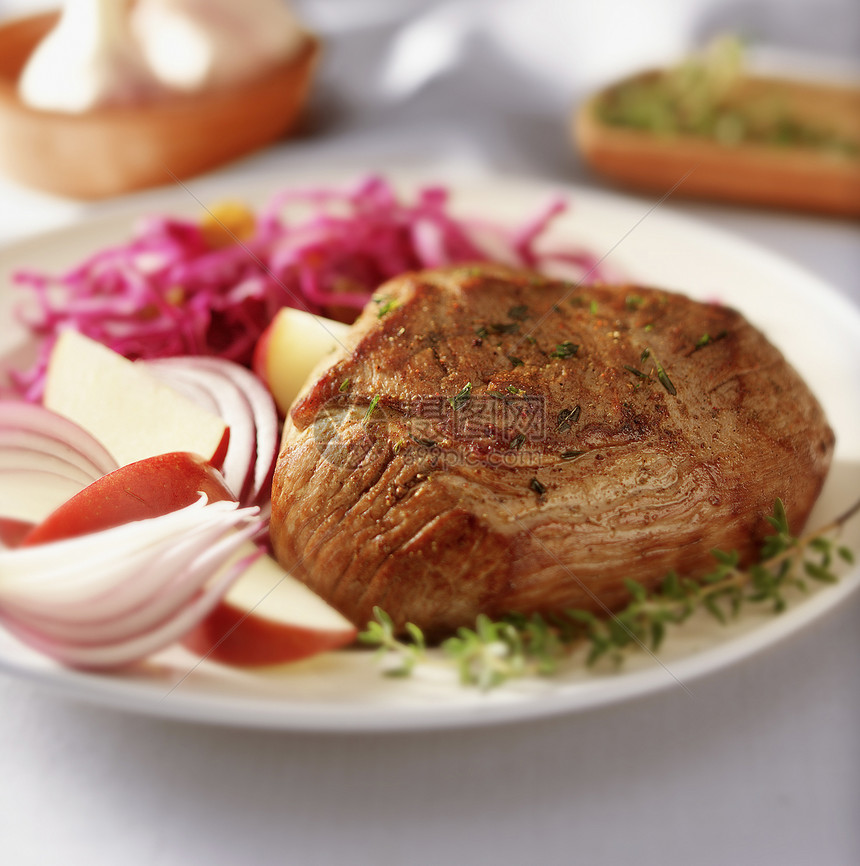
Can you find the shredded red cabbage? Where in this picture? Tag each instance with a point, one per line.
(169, 291)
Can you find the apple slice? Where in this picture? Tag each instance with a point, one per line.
(126, 408)
(290, 347)
(12, 531)
(245, 403)
(266, 618)
(147, 488)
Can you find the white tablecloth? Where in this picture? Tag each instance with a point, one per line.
(759, 764)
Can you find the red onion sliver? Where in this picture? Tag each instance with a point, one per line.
(199, 567)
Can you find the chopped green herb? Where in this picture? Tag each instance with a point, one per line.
(565, 350)
(519, 313)
(517, 362)
(505, 327)
(461, 398)
(426, 443)
(520, 645)
(343, 386)
(518, 392)
(538, 488)
(567, 417)
(482, 332)
(644, 356)
(593, 307)
(517, 441)
(665, 381)
(663, 378)
(649, 327)
(387, 306)
(571, 455)
(634, 302)
(530, 339)
(706, 340)
(373, 404)
(634, 371)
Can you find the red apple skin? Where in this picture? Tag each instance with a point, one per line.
(232, 636)
(217, 460)
(13, 532)
(136, 491)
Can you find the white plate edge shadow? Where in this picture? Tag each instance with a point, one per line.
(148, 696)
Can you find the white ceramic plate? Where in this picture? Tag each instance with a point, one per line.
(817, 330)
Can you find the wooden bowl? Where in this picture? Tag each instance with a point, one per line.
(778, 176)
(112, 151)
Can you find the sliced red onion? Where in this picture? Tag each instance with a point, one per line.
(265, 420)
(30, 495)
(112, 597)
(122, 653)
(26, 459)
(108, 587)
(197, 393)
(48, 431)
(133, 613)
(245, 404)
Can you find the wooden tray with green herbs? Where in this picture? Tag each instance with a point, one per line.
(707, 129)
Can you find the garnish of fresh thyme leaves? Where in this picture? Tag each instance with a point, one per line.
(517, 645)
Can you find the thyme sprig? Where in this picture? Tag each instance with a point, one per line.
(517, 645)
(399, 656)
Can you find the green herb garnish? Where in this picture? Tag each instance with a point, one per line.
(387, 305)
(461, 398)
(370, 409)
(399, 657)
(664, 379)
(566, 417)
(517, 362)
(538, 488)
(520, 313)
(662, 376)
(635, 372)
(705, 97)
(565, 350)
(706, 340)
(517, 645)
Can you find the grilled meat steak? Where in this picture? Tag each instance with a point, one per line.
(492, 440)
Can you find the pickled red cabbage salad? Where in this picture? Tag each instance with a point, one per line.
(210, 287)
(182, 289)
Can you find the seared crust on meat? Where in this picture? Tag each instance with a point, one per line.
(493, 440)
